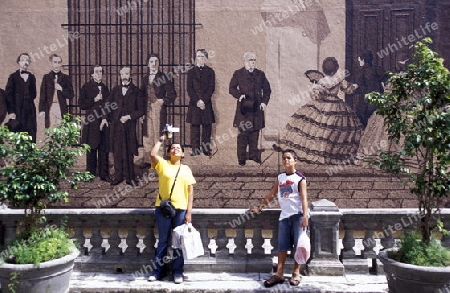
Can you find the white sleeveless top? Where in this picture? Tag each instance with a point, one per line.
(289, 198)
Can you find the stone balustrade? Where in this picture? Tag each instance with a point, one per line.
(124, 240)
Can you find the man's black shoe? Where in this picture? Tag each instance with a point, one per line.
(106, 179)
(241, 162)
(116, 182)
(257, 160)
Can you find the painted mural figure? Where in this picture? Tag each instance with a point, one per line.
(375, 138)
(325, 130)
(20, 93)
(250, 87)
(201, 83)
(157, 92)
(93, 99)
(371, 79)
(123, 117)
(3, 110)
(56, 90)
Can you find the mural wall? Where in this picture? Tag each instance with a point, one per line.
(322, 115)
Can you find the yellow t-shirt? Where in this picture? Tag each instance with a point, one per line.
(166, 173)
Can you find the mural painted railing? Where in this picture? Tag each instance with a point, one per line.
(124, 240)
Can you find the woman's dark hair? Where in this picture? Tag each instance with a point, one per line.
(330, 66)
(170, 146)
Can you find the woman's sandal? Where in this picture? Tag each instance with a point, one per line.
(295, 279)
(272, 281)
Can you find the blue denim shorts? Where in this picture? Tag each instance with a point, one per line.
(289, 230)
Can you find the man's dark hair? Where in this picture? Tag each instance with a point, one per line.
(54, 55)
(92, 69)
(367, 56)
(153, 55)
(204, 52)
(292, 152)
(21, 54)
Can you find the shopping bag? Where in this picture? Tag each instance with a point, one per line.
(303, 251)
(188, 239)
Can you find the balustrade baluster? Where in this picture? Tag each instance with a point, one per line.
(369, 242)
(249, 237)
(114, 240)
(386, 239)
(231, 235)
(348, 242)
(446, 239)
(132, 240)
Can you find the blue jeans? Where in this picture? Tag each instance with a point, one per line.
(165, 227)
(288, 232)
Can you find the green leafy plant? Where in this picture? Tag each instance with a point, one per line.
(31, 177)
(416, 112)
(414, 251)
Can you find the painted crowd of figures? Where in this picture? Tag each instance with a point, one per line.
(326, 130)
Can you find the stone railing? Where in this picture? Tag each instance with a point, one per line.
(124, 240)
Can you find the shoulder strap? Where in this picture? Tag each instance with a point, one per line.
(173, 185)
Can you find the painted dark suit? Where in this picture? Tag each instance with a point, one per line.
(20, 97)
(201, 83)
(370, 80)
(3, 110)
(97, 157)
(47, 93)
(123, 137)
(255, 86)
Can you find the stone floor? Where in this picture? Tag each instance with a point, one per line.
(224, 282)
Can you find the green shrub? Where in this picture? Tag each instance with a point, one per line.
(44, 244)
(414, 251)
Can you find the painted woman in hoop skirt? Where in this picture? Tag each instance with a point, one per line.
(325, 130)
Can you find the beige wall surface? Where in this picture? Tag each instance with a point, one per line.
(284, 52)
(33, 27)
(228, 29)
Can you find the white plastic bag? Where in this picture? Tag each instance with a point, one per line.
(188, 239)
(303, 251)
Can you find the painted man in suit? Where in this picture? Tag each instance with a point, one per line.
(201, 83)
(371, 79)
(250, 87)
(93, 99)
(20, 93)
(56, 90)
(3, 110)
(123, 139)
(157, 92)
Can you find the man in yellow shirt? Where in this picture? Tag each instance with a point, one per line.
(175, 183)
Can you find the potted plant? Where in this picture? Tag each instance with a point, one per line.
(416, 112)
(30, 178)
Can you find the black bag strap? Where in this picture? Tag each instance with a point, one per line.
(173, 185)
